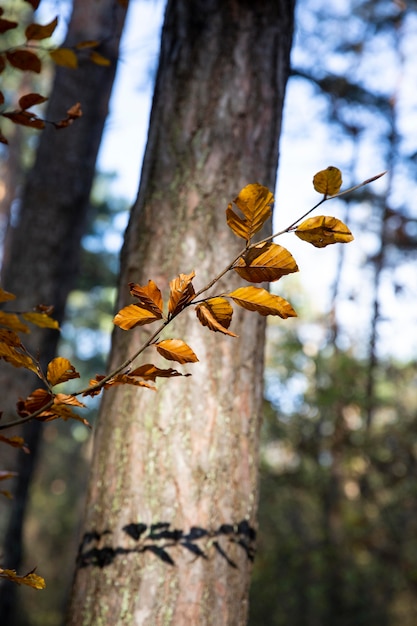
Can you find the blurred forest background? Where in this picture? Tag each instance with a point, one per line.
(338, 506)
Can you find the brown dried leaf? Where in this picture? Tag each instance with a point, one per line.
(25, 118)
(255, 202)
(176, 350)
(216, 314)
(328, 181)
(133, 315)
(6, 25)
(60, 370)
(322, 231)
(149, 297)
(181, 293)
(15, 442)
(5, 474)
(92, 43)
(266, 262)
(38, 32)
(30, 100)
(9, 337)
(24, 60)
(151, 372)
(263, 302)
(34, 402)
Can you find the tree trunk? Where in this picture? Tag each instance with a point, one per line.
(170, 523)
(42, 257)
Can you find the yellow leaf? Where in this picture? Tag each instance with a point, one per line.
(265, 262)
(216, 314)
(15, 442)
(328, 181)
(43, 320)
(99, 59)
(64, 57)
(254, 201)
(11, 321)
(149, 297)
(17, 359)
(181, 292)
(321, 231)
(133, 315)
(31, 579)
(9, 337)
(88, 43)
(176, 350)
(6, 295)
(261, 301)
(38, 32)
(60, 370)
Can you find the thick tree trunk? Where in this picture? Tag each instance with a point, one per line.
(170, 524)
(42, 257)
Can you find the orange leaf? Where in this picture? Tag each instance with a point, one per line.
(328, 181)
(34, 402)
(92, 43)
(12, 355)
(176, 350)
(151, 372)
(30, 100)
(5, 474)
(322, 231)
(6, 295)
(265, 262)
(60, 370)
(181, 293)
(133, 315)
(24, 60)
(31, 579)
(9, 337)
(64, 57)
(15, 442)
(261, 301)
(99, 59)
(43, 320)
(149, 297)
(255, 202)
(216, 314)
(10, 320)
(38, 32)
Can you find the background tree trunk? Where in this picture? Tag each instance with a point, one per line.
(41, 259)
(171, 514)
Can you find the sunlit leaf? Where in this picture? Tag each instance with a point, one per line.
(9, 337)
(64, 57)
(60, 370)
(31, 579)
(15, 442)
(24, 60)
(38, 32)
(176, 350)
(265, 262)
(321, 231)
(261, 301)
(43, 320)
(133, 315)
(255, 202)
(30, 100)
(99, 59)
(6, 295)
(38, 399)
(181, 292)
(16, 358)
(216, 314)
(118, 379)
(328, 181)
(6, 25)
(11, 320)
(148, 371)
(149, 297)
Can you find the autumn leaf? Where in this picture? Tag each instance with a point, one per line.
(149, 297)
(31, 579)
(322, 231)
(148, 371)
(181, 293)
(254, 201)
(216, 314)
(265, 262)
(118, 379)
(24, 60)
(6, 295)
(30, 100)
(33, 3)
(16, 358)
(25, 118)
(6, 25)
(64, 57)
(328, 181)
(60, 370)
(133, 315)
(5, 474)
(38, 32)
(261, 301)
(38, 399)
(15, 442)
(9, 337)
(43, 320)
(99, 59)
(88, 43)
(11, 320)
(176, 350)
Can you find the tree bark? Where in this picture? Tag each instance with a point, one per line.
(41, 263)
(169, 530)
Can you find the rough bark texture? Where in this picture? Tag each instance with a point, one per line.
(170, 522)
(42, 255)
